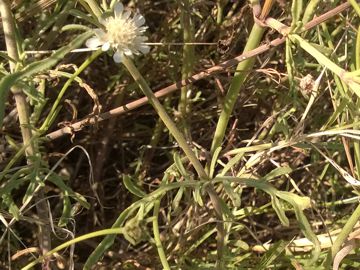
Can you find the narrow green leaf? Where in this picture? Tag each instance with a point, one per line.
(277, 172)
(66, 213)
(179, 165)
(12, 183)
(276, 204)
(294, 199)
(235, 197)
(132, 187)
(296, 10)
(197, 196)
(13, 209)
(290, 66)
(177, 199)
(299, 204)
(29, 191)
(271, 255)
(213, 161)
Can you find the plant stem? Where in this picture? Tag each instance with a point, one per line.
(23, 112)
(187, 64)
(81, 238)
(341, 238)
(158, 243)
(242, 71)
(165, 117)
(20, 98)
(237, 82)
(220, 4)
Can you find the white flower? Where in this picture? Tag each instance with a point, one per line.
(121, 32)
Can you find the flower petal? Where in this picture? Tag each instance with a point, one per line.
(93, 43)
(140, 39)
(139, 20)
(118, 9)
(126, 15)
(100, 33)
(105, 46)
(128, 52)
(118, 56)
(142, 29)
(144, 49)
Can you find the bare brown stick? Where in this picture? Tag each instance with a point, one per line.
(201, 75)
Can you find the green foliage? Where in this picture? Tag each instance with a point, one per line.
(236, 171)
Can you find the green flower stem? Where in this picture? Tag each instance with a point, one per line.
(164, 117)
(341, 238)
(220, 4)
(20, 98)
(71, 242)
(187, 63)
(54, 110)
(159, 245)
(237, 82)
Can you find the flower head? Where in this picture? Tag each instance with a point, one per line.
(122, 33)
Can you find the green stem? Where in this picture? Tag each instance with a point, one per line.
(159, 245)
(164, 117)
(20, 98)
(71, 242)
(341, 238)
(23, 110)
(242, 71)
(51, 116)
(240, 75)
(187, 63)
(220, 11)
